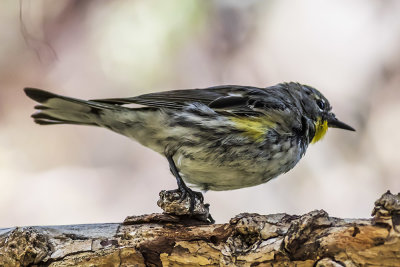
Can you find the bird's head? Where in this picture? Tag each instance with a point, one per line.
(319, 111)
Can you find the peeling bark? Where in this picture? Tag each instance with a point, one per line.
(313, 239)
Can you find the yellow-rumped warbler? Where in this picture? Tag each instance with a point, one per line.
(218, 138)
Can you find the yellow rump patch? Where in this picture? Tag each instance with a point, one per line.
(320, 130)
(254, 127)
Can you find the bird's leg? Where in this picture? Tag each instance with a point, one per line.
(182, 187)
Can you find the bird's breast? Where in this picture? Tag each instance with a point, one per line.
(236, 167)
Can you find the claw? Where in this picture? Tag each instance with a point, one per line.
(183, 194)
(187, 192)
(169, 202)
(210, 218)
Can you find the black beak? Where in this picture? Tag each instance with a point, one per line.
(335, 123)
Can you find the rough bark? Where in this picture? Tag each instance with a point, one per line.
(313, 239)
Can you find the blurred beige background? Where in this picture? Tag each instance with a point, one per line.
(350, 50)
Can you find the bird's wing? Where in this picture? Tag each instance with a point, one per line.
(240, 100)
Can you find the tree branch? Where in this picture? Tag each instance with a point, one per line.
(313, 239)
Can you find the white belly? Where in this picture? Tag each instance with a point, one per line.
(235, 173)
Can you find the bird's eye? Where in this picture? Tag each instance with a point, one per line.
(321, 104)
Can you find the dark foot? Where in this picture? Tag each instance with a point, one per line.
(189, 206)
(186, 192)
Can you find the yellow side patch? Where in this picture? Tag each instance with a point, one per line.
(320, 130)
(254, 127)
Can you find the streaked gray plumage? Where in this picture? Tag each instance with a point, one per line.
(220, 138)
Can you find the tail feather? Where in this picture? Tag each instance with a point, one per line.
(57, 109)
(39, 95)
(46, 119)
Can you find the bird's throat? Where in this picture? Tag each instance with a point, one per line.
(321, 126)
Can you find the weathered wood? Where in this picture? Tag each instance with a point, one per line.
(314, 239)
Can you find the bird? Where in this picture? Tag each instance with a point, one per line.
(217, 138)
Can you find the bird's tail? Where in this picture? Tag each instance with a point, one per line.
(57, 109)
